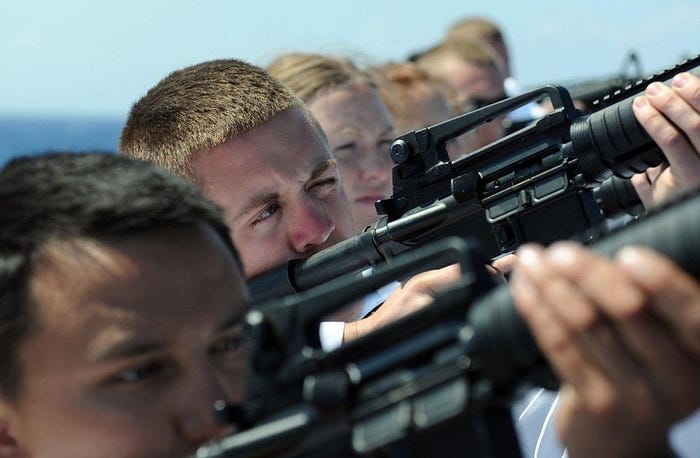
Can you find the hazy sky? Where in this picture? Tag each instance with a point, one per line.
(96, 58)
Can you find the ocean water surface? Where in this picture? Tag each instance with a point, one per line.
(27, 135)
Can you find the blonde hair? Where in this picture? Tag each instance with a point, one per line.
(470, 52)
(200, 107)
(405, 78)
(309, 74)
(474, 29)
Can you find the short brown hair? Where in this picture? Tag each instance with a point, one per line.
(200, 107)
(307, 74)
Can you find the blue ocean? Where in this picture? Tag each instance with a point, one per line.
(25, 135)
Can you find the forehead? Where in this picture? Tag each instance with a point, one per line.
(268, 157)
(422, 109)
(352, 106)
(164, 283)
(473, 81)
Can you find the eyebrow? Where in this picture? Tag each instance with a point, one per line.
(128, 349)
(233, 322)
(258, 201)
(388, 129)
(268, 198)
(321, 168)
(134, 349)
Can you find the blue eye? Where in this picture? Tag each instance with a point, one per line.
(267, 213)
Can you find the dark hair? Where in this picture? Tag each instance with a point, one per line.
(68, 195)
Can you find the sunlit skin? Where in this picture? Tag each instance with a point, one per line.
(360, 131)
(280, 191)
(283, 199)
(136, 340)
(483, 83)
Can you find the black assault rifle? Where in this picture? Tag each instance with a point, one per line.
(589, 90)
(443, 375)
(536, 184)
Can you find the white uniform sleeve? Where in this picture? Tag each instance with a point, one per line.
(331, 334)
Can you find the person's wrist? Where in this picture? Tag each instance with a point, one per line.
(350, 332)
(355, 329)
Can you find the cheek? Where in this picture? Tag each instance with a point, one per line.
(235, 378)
(350, 184)
(96, 432)
(339, 210)
(259, 254)
(348, 177)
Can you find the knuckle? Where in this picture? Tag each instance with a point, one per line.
(561, 342)
(603, 402)
(669, 137)
(692, 93)
(693, 128)
(586, 319)
(419, 283)
(665, 274)
(631, 304)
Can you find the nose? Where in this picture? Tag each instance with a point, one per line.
(308, 225)
(197, 422)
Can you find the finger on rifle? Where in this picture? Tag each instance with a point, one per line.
(431, 282)
(687, 86)
(614, 304)
(536, 289)
(674, 295)
(653, 366)
(674, 125)
(643, 184)
(505, 263)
